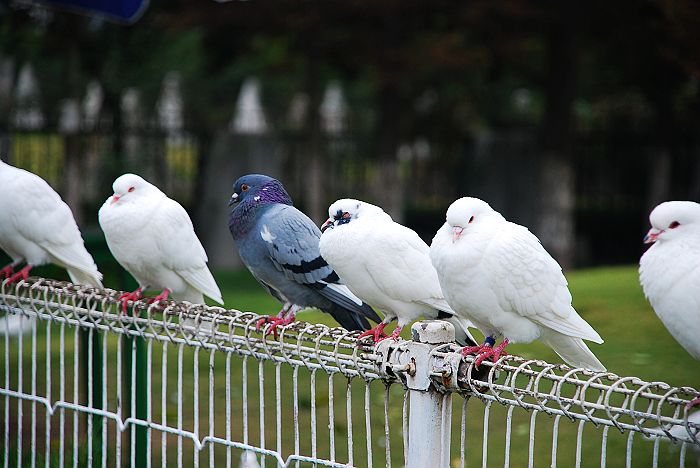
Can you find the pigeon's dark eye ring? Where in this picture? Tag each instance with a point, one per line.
(674, 225)
(131, 189)
(244, 187)
(471, 219)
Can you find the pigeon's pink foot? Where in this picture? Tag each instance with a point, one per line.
(695, 402)
(130, 296)
(377, 333)
(259, 324)
(7, 271)
(22, 274)
(467, 350)
(284, 311)
(270, 319)
(163, 296)
(494, 353)
(395, 334)
(274, 323)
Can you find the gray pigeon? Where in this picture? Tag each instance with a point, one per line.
(279, 245)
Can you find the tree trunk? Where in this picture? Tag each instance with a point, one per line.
(694, 192)
(556, 220)
(316, 203)
(385, 186)
(72, 164)
(659, 188)
(251, 154)
(659, 177)
(555, 227)
(73, 174)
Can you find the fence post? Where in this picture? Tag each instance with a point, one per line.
(429, 423)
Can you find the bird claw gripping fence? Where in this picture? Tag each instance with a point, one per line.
(173, 382)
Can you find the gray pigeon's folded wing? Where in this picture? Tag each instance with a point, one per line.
(292, 241)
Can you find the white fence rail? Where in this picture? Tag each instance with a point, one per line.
(195, 385)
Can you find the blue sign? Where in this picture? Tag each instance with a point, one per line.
(128, 11)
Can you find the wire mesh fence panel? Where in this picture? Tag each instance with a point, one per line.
(176, 384)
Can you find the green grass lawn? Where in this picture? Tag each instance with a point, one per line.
(636, 343)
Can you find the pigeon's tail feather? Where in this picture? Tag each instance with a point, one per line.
(77, 260)
(348, 310)
(86, 278)
(572, 350)
(348, 319)
(575, 325)
(190, 295)
(202, 280)
(462, 335)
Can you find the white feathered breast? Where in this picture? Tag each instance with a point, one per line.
(669, 273)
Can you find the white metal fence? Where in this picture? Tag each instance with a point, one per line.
(88, 385)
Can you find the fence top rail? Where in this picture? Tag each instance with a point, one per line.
(654, 409)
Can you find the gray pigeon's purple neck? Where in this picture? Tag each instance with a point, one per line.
(244, 216)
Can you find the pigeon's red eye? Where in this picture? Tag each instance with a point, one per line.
(674, 225)
(346, 215)
(131, 189)
(244, 187)
(471, 219)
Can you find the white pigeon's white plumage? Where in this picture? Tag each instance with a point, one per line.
(15, 325)
(248, 460)
(670, 270)
(152, 237)
(498, 275)
(681, 432)
(37, 227)
(385, 264)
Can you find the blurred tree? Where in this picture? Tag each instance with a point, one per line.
(520, 85)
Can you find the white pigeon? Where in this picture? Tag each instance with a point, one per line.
(386, 265)
(670, 270)
(152, 237)
(37, 227)
(498, 275)
(16, 324)
(248, 460)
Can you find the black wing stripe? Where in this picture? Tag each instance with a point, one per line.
(333, 278)
(306, 267)
(442, 315)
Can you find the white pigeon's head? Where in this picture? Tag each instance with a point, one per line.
(467, 212)
(347, 209)
(673, 219)
(130, 188)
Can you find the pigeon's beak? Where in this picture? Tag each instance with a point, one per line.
(456, 233)
(233, 200)
(115, 199)
(327, 225)
(652, 235)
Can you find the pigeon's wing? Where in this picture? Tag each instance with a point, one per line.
(399, 264)
(438, 304)
(527, 280)
(292, 239)
(292, 243)
(46, 220)
(181, 250)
